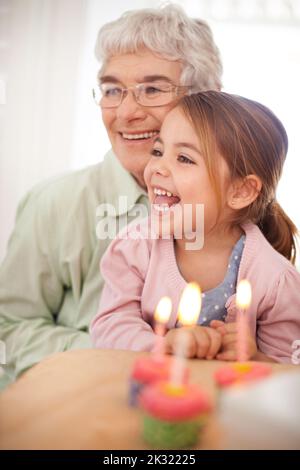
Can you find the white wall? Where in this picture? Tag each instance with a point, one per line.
(40, 47)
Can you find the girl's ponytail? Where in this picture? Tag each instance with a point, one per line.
(279, 230)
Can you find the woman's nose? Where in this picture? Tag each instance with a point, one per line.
(130, 108)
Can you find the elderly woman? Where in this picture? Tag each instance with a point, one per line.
(49, 280)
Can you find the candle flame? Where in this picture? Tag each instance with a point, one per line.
(190, 305)
(243, 294)
(163, 310)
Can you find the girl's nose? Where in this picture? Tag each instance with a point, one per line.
(160, 168)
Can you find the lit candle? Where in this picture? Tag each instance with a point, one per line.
(161, 317)
(188, 313)
(155, 367)
(174, 411)
(241, 372)
(243, 301)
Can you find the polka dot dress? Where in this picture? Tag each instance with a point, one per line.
(214, 300)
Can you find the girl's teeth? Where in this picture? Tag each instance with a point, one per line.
(162, 192)
(164, 200)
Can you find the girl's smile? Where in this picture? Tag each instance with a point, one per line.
(177, 175)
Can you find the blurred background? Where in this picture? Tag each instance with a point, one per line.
(49, 123)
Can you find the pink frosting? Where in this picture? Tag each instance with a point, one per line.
(161, 403)
(152, 369)
(230, 375)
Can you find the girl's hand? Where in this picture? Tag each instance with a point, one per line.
(228, 331)
(199, 341)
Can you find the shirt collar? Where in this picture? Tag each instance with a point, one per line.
(122, 190)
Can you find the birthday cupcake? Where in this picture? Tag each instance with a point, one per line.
(173, 415)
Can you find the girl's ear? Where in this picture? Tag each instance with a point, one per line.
(243, 192)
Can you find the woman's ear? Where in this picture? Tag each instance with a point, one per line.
(243, 192)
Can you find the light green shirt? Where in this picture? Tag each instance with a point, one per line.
(50, 282)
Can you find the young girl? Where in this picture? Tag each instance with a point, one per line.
(224, 153)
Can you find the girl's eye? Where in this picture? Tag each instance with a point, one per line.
(184, 159)
(156, 153)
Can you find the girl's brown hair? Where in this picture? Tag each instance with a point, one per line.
(252, 140)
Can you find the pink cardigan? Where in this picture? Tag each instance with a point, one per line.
(138, 271)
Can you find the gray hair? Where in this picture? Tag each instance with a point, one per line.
(170, 33)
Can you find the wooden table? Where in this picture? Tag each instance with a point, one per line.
(78, 400)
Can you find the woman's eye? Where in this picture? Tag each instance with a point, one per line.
(111, 91)
(156, 153)
(151, 90)
(184, 159)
